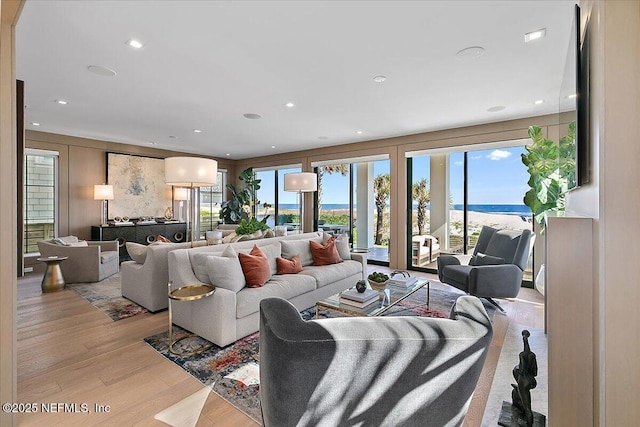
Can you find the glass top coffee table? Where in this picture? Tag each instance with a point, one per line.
(391, 296)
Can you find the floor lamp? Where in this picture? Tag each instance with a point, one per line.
(190, 172)
(301, 182)
(103, 192)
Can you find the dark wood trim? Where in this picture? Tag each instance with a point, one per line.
(20, 174)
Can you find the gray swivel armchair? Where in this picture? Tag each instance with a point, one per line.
(91, 263)
(495, 269)
(370, 371)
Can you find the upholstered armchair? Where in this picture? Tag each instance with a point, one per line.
(496, 267)
(379, 371)
(91, 263)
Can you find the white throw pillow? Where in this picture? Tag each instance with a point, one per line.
(79, 243)
(298, 247)
(225, 271)
(137, 252)
(272, 252)
(342, 244)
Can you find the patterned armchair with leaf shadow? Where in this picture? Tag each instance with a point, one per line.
(380, 371)
(496, 267)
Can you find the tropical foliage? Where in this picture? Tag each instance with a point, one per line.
(382, 190)
(251, 226)
(551, 169)
(243, 201)
(421, 193)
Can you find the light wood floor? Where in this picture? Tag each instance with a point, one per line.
(70, 352)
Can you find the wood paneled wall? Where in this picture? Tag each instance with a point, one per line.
(82, 164)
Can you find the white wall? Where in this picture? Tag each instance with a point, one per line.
(613, 200)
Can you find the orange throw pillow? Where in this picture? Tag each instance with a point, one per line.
(289, 266)
(163, 239)
(325, 254)
(255, 267)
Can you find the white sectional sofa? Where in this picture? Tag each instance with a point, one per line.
(230, 314)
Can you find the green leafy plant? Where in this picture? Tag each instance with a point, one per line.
(378, 277)
(243, 201)
(251, 226)
(551, 169)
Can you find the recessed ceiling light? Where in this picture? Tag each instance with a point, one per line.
(289, 105)
(538, 101)
(227, 154)
(572, 96)
(323, 137)
(496, 108)
(533, 35)
(379, 79)
(273, 146)
(470, 52)
(359, 132)
(136, 44)
(197, 131)
(252, 116)
(35, 123)
(101, 71)
(61, 101)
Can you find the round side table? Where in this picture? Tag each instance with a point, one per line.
(187, 293)
(53, 279)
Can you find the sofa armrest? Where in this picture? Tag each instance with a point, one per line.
(107, 245)
(362, 259)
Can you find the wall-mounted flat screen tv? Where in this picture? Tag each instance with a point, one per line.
(574, 99)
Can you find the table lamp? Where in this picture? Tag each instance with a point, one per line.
(301, 182)
(103, 192)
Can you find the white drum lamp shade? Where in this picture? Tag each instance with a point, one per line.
(301, 182)
(192, 172)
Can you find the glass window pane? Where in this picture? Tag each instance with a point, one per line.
(266, 195)
(288, 202)
(39, 200)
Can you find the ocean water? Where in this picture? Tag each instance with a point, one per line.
(497, 209)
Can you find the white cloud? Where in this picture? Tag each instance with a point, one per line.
(458, 163)
(476, 157)
(498, 155)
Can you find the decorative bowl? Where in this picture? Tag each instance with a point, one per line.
(377, 286)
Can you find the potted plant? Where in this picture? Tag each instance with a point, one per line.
(377, 280)
(551, 169)
(243, 199)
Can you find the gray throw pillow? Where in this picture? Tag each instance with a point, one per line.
(225, 271)
(137, 252)
(342, 244)
(299, 247)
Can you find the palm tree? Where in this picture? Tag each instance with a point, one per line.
(382, 190)
(421, 193)
(342, 169)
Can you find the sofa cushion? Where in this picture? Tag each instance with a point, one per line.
(137, 252)
(255, 267)
(108, 256)
(225, 271)
(283, 286)
(289, 266)
(199, 264)
(299, 247)
(272, 251)
(328, 274)
(65, 241)
(458, 274)
(342, 244)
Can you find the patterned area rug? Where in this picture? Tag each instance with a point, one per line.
(231, 372)
(107, 297)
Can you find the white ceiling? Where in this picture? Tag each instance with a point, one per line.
(205, 64)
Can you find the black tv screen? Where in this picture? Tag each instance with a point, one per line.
(574, 100)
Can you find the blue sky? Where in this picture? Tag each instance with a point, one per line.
(496, 176)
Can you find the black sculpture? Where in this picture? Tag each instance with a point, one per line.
(525, 374)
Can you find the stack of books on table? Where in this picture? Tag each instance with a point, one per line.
(400, 280)
(356, 299)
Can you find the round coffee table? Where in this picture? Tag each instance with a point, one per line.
(187, 293)
(53, 280)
